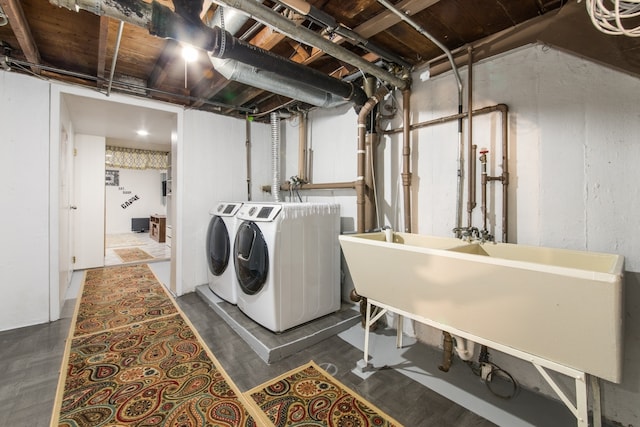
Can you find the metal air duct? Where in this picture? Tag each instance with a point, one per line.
(306, 36)
(294, 80)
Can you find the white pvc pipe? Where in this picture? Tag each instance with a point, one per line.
(464, 348)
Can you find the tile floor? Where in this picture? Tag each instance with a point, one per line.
(405, 383)
(159, 251)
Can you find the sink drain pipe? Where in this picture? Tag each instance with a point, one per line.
(361, 156)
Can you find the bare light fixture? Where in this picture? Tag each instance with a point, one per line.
(189, 53)
(142, 132)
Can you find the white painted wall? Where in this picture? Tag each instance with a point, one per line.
(146, 185)
(574, 145)
(214, 156)
(24, 253)
(331, 157)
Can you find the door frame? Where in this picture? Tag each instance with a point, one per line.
(56, 293)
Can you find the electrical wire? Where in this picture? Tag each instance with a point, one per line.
(494, 372)
(608, 16)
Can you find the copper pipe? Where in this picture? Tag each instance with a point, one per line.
(445, 119)
(447, 352)
(362, 130)
(471, 204)
(369, 197)
(323, 186)
(302, 147)
(247, 144)
(504, 178)
(483, 183)
(471, 157)
(406, 158)
(504, 109)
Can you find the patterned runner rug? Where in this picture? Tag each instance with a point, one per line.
(118, 296)
(132, 254)
(309, 396)
(133, 359)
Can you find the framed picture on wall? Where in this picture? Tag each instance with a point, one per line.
(111, 177)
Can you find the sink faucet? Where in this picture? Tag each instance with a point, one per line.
(485, 236)
(471, 234)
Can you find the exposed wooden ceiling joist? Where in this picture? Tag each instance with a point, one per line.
(388, 19)
(22, 31)
(76, 46)
(103, 38)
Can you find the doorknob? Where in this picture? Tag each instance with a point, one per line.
(73, 207)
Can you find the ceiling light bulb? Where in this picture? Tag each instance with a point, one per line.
(142, 132)
(189, 53)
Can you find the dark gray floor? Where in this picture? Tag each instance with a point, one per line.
(404, 399)
(31, 358)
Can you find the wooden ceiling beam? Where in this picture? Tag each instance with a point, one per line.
(103, 40)
(388, 19)
(169, 54)
(22, 31)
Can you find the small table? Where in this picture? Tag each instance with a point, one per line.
(158, 228)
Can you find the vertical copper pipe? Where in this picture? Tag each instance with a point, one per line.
(247, 144)
(483, 183)
(302, 147)
(360, 186)
(371, 142)
(362, 131)
(406, 159)
(447, 352)
(505, 170)
(471, 161)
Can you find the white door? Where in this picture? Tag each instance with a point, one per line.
(88, 217)
(65, 194)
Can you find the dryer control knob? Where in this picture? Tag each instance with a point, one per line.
(252, 210)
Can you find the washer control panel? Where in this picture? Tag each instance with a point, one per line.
(264, 212)
(226, 208)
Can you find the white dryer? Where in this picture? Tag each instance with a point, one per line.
(287, 262)
(219, 250)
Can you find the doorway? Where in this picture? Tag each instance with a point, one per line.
(77, 112)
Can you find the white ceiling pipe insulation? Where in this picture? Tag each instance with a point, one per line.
(232, 21)
(293, 80)
(290, 29)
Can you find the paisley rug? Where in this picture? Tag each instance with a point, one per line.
(132, 254)
(117, 296)
(309, 396)
(148, 368)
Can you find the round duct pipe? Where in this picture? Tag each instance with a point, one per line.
(275, 156)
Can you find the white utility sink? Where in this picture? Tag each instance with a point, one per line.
(561, 305)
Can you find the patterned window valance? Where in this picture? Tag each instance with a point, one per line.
(133, 158)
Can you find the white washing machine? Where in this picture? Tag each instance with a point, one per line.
(287, 262)
(220, 237)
